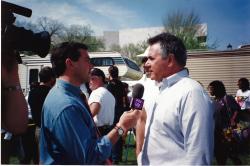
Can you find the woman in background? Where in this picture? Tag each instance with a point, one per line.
(225, 117)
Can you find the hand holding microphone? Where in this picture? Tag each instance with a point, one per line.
(129, 118)
(137, 101)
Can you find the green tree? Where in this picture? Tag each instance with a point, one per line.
(53, 27)
(60, 33)
(83, 34)
(185, 25)
(132, 50)
(115, 47)
(94, 44)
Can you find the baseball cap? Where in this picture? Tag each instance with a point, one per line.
(97, 72)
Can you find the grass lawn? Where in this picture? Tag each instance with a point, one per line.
(131, 159)
(128, 157)
(129, 153)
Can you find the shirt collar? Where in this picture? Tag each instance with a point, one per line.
(169, 81)
(68, 87)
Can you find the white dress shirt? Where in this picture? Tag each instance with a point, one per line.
(181, 125)
(107, 101)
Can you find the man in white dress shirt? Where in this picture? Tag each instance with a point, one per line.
(179, 128)
(101, 102)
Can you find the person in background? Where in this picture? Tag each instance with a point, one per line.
(127, 99)
(179, 127)
(101, 102)
(116, 87)
(85, 89)
(143, 62)
(14, 110)
(150, 92)
(68, 133)
(37, 95)
(14, 113)
(27, 140)
(225, 117)
(36, 99)
(150, 87)
(243, 94)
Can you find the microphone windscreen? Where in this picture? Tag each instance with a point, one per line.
(138, 91)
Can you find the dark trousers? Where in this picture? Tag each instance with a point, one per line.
(30, 147)
(9, 148)
(117, 151)
(244, 115)
(224, 150)
(104, 130)
(6, 147)
(118, 146)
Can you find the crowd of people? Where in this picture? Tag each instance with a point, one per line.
(78, 116)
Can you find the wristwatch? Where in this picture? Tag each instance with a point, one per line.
(119, 130)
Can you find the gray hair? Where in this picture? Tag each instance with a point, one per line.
(170, 44)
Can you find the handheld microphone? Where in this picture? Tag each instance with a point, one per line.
(137, 93)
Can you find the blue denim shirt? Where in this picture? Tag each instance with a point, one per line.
(68, 134)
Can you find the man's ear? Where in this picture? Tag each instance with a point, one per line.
(171, 60)
(68, 63)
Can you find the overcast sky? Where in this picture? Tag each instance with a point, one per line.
(228, 21)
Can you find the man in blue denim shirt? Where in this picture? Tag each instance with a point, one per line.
(68, 134)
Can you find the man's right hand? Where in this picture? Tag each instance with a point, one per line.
(128, 119)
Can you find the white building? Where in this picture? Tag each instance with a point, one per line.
(138, 35)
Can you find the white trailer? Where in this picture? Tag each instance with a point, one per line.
(227, 66)
(31, 65)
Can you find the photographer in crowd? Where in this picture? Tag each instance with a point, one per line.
(14, 111)
(15, 39)
(14, 107)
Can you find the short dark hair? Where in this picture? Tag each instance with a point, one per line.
(113, 71)
(46, 74)
(63, 51)
(219, 88)
(98, 72)
(170, 44)
(245, 83)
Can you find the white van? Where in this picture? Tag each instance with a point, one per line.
(29, 69)
(128, 69)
